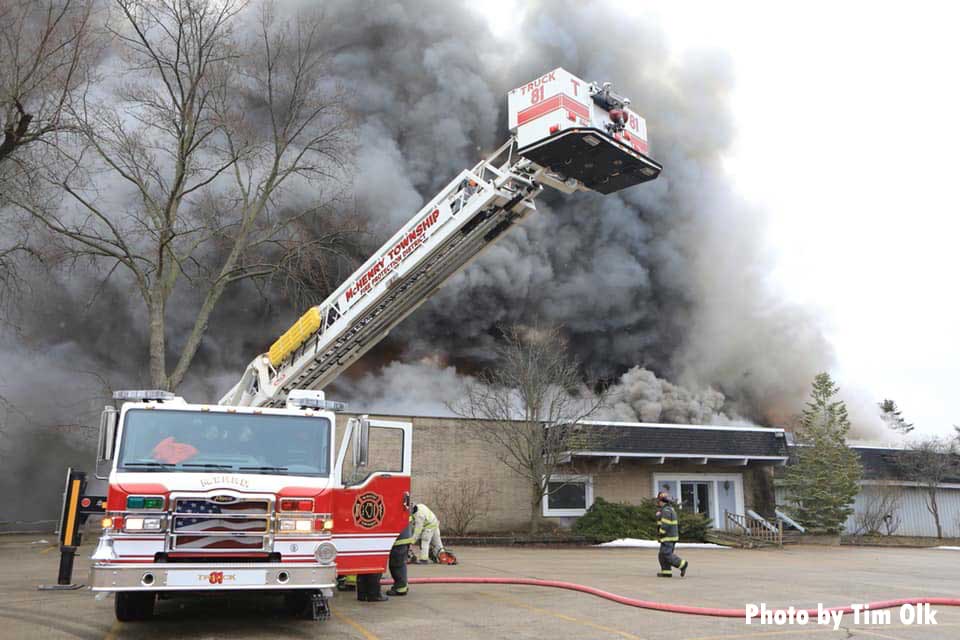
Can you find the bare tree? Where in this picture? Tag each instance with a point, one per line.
(930, 463)
(11, 253)
(526, 407)
(880, 512)
(208, 158)
(46, 51)
(461, 502)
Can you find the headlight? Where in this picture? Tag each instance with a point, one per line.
(142, 524)
(296, 525)
(325, 553)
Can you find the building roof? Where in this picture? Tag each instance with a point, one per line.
(883, 463)
(701, 443)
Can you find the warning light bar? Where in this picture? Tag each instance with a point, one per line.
(310, 399)
(144, 395)
(311, 403)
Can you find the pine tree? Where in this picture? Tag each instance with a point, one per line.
(890, 414)
(824, 479)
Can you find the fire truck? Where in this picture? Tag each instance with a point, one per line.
(259, 492)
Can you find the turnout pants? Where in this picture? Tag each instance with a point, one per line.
(430, 541)
(398, 567)
(368, 586)
(668, 559)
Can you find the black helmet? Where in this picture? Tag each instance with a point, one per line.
(663, 497)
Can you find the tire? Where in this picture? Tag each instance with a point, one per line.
(134, 606)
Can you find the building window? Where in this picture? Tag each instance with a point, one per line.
(712, 494)
(568, 496)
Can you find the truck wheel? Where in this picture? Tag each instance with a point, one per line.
(133, 606)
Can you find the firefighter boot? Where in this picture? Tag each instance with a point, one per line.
(368, 588)
(683, 568)
(374, 597)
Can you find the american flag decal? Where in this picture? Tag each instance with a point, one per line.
(201, 524)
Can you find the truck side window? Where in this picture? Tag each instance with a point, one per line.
(386, 456)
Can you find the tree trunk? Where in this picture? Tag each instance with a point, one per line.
(535, 509)
(158, 358)
(196, 335)
(935, 510)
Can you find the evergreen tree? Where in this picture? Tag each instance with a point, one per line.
(891, 417)
(824, 479)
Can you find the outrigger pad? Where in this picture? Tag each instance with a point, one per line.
(599, 162)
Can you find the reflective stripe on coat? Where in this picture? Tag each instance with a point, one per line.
(668, 529)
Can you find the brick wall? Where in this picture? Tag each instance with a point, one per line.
(447, 449)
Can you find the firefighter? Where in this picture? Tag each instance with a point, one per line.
(465, 191)
(668, 532)
(427, 531)
(398, 561)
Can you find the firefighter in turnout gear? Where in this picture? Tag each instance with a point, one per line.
(398, 561)
(668, 532)
(427, 531)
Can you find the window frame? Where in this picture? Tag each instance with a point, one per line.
(587, 481)
(118, 465)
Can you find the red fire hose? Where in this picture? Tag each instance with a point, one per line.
(662, 606)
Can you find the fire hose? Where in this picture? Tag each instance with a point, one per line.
(663, 606)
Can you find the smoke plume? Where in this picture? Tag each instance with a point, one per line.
(662, 288)
(668, 276)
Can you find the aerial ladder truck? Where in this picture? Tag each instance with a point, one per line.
(258, 492)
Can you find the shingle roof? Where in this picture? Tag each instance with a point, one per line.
(680, 440)
(882, 464)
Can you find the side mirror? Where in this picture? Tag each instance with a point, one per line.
(361, 443)
(108, 432)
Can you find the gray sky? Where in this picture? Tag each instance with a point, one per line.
(848, 119)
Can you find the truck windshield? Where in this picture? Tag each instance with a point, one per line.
(216, 441)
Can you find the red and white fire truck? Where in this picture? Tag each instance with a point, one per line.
(259, 492)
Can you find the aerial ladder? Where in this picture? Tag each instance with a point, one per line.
(566, 134)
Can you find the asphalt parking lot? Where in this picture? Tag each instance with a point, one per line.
(802, 576)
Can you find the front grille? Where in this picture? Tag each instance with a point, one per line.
(205, 505)
(217, 543)
(202, 524)
(199, 557)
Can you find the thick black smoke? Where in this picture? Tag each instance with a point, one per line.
(661, 282)
(669, 275)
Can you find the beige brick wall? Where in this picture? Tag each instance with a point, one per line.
(447, 449)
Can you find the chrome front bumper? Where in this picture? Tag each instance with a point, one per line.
(153, 576)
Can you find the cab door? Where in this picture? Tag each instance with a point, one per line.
(371, 493)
